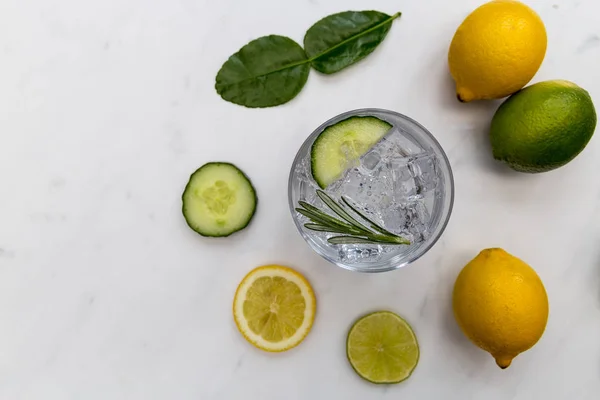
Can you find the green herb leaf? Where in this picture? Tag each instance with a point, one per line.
(356, 232)
(323, 228)
(329, 202)
(266, 72)
(358, 240)
(340, 40)
(350, 240)
(374, 225)
(324, 219)
(312, 212)
(365, 240)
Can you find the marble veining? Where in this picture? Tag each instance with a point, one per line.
(107, 107)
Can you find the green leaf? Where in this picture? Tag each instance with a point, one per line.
(266, 72)
(355, 232)
(324, 219)
(329, 202)
(365, 240)
(323, 228)
(374, 225)
(350, 240)
(355, 240)
(340, 40)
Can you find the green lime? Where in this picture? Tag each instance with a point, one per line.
(382, 348)
(543, 126)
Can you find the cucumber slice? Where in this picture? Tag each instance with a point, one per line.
(339, 146)
(218, 200)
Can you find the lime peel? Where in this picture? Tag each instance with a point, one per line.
(382, 348)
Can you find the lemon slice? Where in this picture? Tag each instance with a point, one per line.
(382, 348)
(274, 308)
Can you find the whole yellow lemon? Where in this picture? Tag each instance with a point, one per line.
(496, 50)
(500, 304)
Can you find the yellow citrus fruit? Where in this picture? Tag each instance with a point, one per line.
(496, 50)
(274, 308)
(500, 304)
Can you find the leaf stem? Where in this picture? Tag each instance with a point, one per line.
(340, 211)
(371, 29)
(374, 225)
(353, 230)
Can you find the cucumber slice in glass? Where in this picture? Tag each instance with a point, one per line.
(218, 200)
(339, 146)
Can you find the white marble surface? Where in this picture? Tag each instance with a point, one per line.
(107, 106)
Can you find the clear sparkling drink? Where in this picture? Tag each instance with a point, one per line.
(403, 183)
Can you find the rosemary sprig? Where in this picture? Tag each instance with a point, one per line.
(353, 231)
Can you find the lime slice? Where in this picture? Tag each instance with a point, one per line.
(382, 348)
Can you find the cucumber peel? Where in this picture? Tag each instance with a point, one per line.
(340, 146)
(218, 200)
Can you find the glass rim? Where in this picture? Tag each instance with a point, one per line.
(442, 224)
